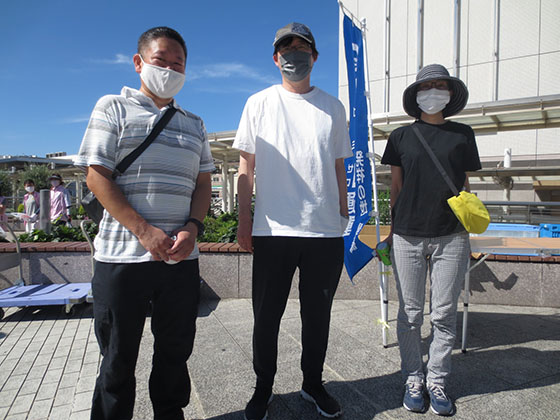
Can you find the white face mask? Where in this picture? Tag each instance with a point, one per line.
(433, 100)
(30, 189)
(162, 82)
(55, 183)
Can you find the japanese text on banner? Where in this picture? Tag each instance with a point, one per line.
(358, 167)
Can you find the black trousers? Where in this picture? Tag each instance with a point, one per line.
(122, 294)
(275, 260)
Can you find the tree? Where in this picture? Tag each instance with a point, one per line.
(38, 173)
(5, 185)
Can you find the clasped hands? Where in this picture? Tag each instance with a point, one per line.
(164, 248)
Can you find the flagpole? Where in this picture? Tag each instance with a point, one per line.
(382, 269)
(347, 12)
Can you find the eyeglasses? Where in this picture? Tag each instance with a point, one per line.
(438, 84)
(290, 48)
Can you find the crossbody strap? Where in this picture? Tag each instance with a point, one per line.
(436, 161)
(132, 156)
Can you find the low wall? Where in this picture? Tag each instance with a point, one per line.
(226, 272)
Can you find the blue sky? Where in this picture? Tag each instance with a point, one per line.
(60, 56)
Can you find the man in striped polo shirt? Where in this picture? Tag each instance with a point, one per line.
(146, 247)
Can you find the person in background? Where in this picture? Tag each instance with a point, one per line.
(426, 237)
(297, 132)
(31, 205)
(3, 216)
(60, 201)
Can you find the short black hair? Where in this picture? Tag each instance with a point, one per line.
(29, 181)
(160, 32)
(288, 40)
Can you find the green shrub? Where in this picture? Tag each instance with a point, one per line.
(61, 233)
(220, 229)
(384, 208)
(217, 229)
(21, 208)
(78, 213)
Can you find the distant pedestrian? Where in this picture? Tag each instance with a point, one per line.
(60, 201)
(294, 137)
(3, 216)
(31, 205)
(426, 237)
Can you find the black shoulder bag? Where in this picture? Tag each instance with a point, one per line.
(91, 204)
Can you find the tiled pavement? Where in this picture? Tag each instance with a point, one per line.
(48, 363)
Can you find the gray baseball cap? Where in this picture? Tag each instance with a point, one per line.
(294, 29)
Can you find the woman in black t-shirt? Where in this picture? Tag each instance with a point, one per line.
(426, 236)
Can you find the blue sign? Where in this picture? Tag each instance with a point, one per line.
(358, 167)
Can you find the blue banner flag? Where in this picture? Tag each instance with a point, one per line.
(358, 167)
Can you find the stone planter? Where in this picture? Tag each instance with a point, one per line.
(226, 273)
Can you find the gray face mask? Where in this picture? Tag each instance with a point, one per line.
(295, 65)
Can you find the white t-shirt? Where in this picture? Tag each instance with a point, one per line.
(296, 139)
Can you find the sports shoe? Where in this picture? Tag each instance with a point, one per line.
(439, 401)
(258, 405)
(326, 405)
(414, 397)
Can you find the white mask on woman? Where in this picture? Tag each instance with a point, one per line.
(433, 100)
(55, 183)
(162, 82)
(30, 189)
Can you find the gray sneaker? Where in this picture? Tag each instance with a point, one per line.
(440, 403)
(414, 397)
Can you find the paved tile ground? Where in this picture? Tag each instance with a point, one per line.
(48, 364)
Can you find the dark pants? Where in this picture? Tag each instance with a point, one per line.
(275, 260)
(122, 294)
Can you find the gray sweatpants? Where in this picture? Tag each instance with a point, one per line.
(446, 258)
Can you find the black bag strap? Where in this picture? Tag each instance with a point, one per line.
(435, 159)
(132, 156)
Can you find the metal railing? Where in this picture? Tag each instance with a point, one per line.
(528, 212)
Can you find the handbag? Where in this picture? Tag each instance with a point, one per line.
(466, 206)
(91, 204)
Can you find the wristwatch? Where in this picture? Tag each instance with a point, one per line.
(198, 223)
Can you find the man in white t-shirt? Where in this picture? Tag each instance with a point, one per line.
(145, 251)
(295, 137)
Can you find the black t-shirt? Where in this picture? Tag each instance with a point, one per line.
(421, 208)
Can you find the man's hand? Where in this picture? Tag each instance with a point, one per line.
(184, 244)
(244, 234)
(156, 242)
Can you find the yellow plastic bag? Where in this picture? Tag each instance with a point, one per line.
(470, 211)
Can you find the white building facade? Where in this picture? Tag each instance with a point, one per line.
(508, 54)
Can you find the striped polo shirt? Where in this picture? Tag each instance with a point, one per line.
(159, 183)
